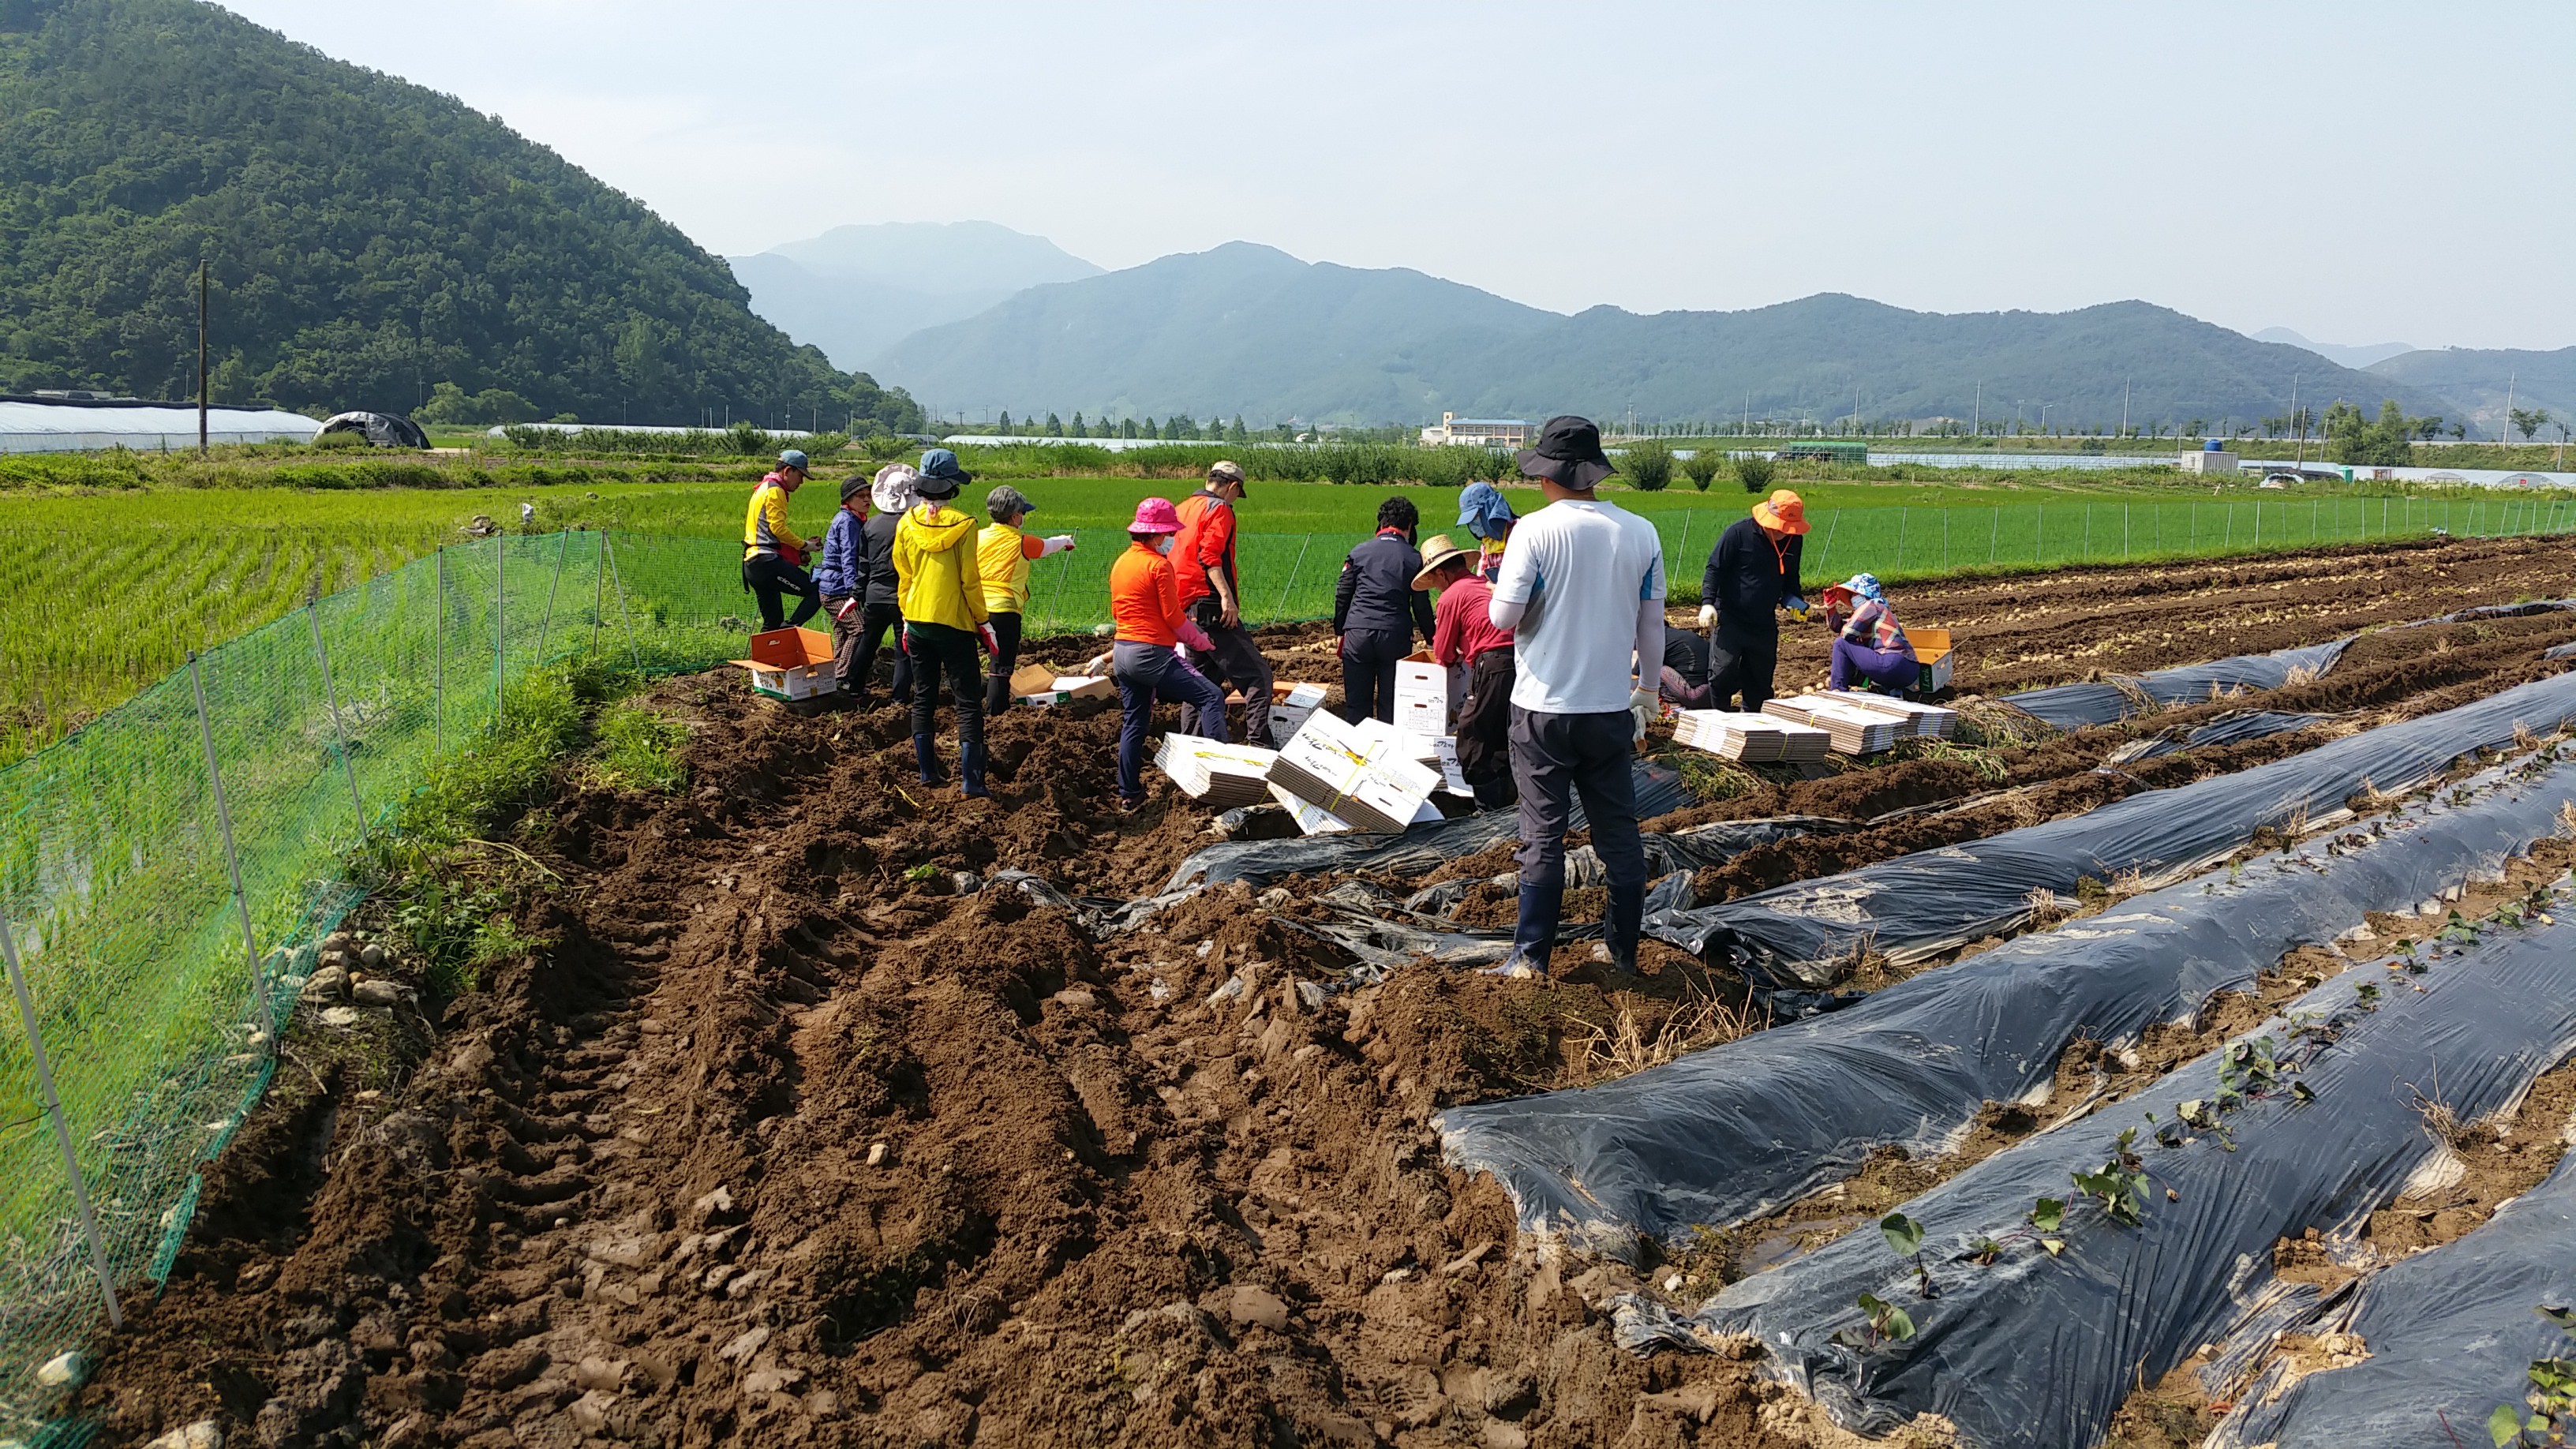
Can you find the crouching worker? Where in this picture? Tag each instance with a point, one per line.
(1868, 642)
(1145, 603)
(943, 618)
(1465, 635)
(773, 557)
(1003, 554)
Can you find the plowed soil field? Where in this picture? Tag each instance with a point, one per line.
(781, 1139)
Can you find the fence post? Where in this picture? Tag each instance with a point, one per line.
(563, 545)
(331, 702)
(1281, 607)
(1055, 602)
(232, 856)
(2039, 534)
(1902, 515)
(626, 613)
(2124, 531)
(1945, 539)
(2087, 555)
(2258, 523)
(500, 623)
(1994, 535)
(1687, 515)
(53, 1105)
(1828, 549)
(599, 595)
(438, 669)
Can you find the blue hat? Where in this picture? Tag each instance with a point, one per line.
(1866, 585)
(794, 458)
(940, 475)
(1483, 511)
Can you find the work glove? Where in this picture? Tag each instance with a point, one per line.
(992, 641)
(1796, 606)
(848, 607)
(903, 640)
(1643, 705)
(1708, 616)
(1059, 542)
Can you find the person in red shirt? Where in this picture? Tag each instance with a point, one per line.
(1145, 605)
(1212, 591)
(1463, 636)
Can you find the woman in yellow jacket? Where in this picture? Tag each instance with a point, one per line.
(942, 595)
(1003, 554)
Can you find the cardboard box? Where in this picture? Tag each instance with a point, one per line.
(1422, 694)
(791, 664)
(1315, 820)
(1365, 776)
(1290, 704)
(1035, 684)
(1220, 775)
(1932, 650)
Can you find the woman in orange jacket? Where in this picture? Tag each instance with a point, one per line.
(1145, 603)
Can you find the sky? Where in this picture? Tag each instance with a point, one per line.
(2361, 172)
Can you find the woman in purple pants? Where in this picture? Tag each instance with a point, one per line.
(1868, 642)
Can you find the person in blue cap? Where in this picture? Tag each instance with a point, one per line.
(1483, 512)
(1868, 642)
(773, 557)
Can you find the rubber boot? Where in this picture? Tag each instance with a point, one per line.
(925, 748)
(1535, 936)
(970, 767)
(1626, 919)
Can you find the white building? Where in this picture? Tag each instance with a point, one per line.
(1477, 432)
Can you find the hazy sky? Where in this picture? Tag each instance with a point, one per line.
(2359, 171)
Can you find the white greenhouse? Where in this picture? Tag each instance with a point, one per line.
(73, 425)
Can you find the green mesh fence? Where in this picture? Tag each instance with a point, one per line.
(117, 877)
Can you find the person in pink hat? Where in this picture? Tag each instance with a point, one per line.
(1145, 604)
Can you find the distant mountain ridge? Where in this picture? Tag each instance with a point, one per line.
(2482, 384)
(854, 290)
(2338, 353)
(1249, 329)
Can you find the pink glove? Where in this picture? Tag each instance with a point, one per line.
(1192, 635)
(992, 641)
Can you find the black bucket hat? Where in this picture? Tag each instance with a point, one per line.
(1568, 454)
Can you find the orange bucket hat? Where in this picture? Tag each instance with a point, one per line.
(1782, 511)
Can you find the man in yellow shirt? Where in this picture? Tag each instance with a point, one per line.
(773, 557)
(1002, 555)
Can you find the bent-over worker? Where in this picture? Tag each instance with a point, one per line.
(1752, 572)
(1479, 655)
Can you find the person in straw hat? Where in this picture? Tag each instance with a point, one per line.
(1752, 573)
(1479, 657)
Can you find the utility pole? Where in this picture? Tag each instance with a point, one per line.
(201, 357)
(2124, 407)
(2298, 422)
(1977, 413)
(2506, 432)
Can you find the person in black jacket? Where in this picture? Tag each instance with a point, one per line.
(1377, 610)
(892, 492)
(1752, 571)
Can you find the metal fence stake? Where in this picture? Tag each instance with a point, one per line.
(1902, 514)
(625, 613)
(438, 675)
(232, 856)
(1055, 601)
(563, 544)
(1827, 550)
(1994, 535)
(599, 599)
(500, 624)
(53, 1105)
(331, 702)
(1281, 607)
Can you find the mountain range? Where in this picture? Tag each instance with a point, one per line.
(365, 239)
(1252, 330)
(856, 289)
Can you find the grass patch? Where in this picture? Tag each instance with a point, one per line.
(639, 749)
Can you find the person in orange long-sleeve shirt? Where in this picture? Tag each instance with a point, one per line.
(1145, 605)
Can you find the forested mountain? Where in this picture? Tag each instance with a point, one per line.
(368, 239)
(855, 290)
(2487, 383)
(1246, 329)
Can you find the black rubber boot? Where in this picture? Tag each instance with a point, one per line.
(997, 694)
(1625, 921)
(1535, 935)
(925, 748)
(970, 766)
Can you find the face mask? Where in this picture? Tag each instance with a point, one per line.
(1163, 543)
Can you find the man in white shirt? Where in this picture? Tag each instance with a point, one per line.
(1582, 588)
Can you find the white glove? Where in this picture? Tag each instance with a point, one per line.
(1708, 616)
(1058, 543)
(1643, 705)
